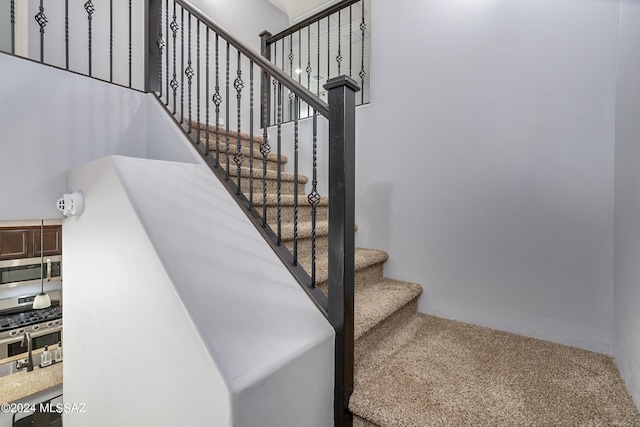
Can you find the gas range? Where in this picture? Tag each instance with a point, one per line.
(18, 317)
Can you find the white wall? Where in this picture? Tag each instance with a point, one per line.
(40, 140)
(626, 291)
(485, 161)
(214, 306)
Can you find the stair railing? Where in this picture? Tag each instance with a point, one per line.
(327, 44)
(207, 81)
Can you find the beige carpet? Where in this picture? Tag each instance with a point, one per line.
(438, 372)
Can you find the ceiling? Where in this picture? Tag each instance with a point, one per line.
(297, 10)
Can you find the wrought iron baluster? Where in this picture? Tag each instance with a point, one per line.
(227, 115)
(250, 134)
(217, 99)
(339, 56)
(264, 150)
(189, 71)
(295, 179)
(174, 81)
(291, 55)
(130, 43)
(279, 162)
(111, 41)
(206, 123)
(66, 33)
(299, 70)
(318, 79)
(198, 81)
(166, 23)
(350, 38)
(314, 198)
(41, 19)
(275, 83)
(238, 158)
(181, 65)
(13, 26)
(161, 45)
(308, 69)
(363, 73)
(328, 47)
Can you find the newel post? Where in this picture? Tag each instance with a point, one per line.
(265, 97)
(342, 137)
(152, 43)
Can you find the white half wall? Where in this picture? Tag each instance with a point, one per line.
(225, 334)
(485, 161)
(626, 290)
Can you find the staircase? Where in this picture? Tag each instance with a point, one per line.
(417, 370)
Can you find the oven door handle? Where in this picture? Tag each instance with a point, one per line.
(34, 334)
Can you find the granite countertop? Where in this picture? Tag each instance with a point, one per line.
(22, 384)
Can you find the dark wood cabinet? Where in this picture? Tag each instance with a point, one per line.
(24, 242)
(14, 243)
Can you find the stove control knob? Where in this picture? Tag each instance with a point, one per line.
(13, 333)
(35, 327)
(49, 324)
(21, 331)
(57, 322)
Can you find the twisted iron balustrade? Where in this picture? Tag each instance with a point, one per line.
(326, 50)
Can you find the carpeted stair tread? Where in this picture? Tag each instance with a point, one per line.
(305, 230)
(439, 372)
(223, 131)
(272, 175)
(375, 302)
(363, 258)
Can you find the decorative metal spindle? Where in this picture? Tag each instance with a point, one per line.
(250, 134)
(198, 81)
(291, 55)
(111, 41)
(130, 43)
(299, 71)
(295, 180)
(181, 65)
(41, 19)
(238, 84)
(314, 198)
(189, 71)
(363, 73)
(217, 99)
(13, 26)
(350, 38)
(174, 81)
(339, 56)
(275, 83)
(206, 122)
(88, 6)
(166, 24)
(66, 33)
(308, 69)
(279, 162)
(227, 115)
(318, 79)
(264, 150)
(161, 46)
(328, 47)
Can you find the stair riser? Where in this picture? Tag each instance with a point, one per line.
(287, 187)
(363, 277)
(304, 246)
(368, 345)
(304, 213)
(257, 162)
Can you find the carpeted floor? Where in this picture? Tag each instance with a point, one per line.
(438, 372)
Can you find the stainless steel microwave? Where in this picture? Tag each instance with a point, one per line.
(26, 271)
